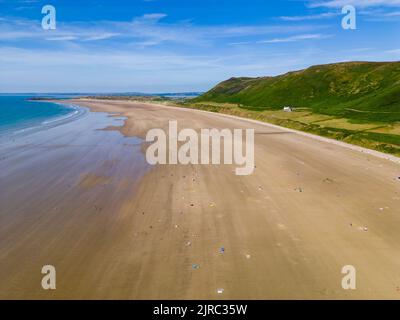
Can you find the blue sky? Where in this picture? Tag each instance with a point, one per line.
(182, 45)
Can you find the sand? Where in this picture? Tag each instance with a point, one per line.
(123, 230)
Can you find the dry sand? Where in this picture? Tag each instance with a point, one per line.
(161, 238)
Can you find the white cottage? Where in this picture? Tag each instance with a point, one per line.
(287, 109)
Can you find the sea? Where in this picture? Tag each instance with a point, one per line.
(18, 112)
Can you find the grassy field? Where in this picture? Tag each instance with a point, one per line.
(382, 137)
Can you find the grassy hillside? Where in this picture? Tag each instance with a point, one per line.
(359, 91)
(355, 102)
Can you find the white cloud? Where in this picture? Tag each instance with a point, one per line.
(153, 16)
(116, 70)
(108, 70)
(296, 38)
(61, 38)
(393, 51)
(144, 30)
(102, 36)
(380, 15)
(309, 17)
(356, 3)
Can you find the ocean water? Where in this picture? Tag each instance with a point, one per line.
(18, 113)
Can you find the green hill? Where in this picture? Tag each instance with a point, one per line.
(359, 91)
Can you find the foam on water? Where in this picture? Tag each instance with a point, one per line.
(18, 114)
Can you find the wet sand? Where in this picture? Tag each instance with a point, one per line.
(116, 228)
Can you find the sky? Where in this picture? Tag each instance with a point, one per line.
(159, 46)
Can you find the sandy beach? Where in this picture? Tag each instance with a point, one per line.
(84, 199)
